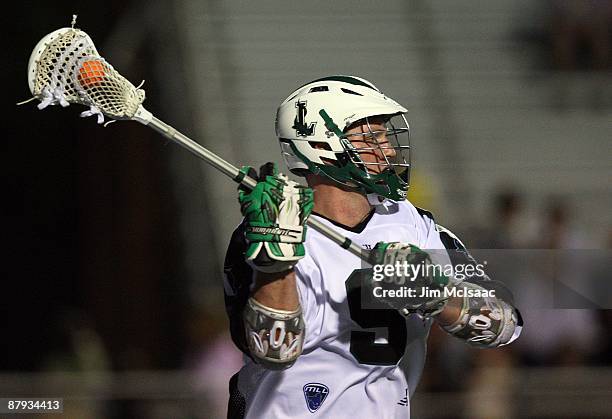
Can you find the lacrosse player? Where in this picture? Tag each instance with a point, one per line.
(294, 298)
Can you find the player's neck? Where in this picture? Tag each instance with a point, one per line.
(345, 206)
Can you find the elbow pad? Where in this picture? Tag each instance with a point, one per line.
(486, 322)
(274, 337)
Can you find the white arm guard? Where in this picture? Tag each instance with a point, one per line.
(486, 322)
(275, 337)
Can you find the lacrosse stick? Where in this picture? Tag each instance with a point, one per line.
(65, 68)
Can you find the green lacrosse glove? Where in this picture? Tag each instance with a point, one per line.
(414, 284)
(275, 213)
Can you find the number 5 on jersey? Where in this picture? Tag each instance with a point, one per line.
(363, 344)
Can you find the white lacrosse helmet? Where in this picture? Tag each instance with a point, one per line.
(311, 125)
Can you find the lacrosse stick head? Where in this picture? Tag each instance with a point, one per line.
(65, 67)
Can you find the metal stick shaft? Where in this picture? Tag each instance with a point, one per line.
(232, 171)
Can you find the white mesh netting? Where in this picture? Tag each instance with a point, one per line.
(70, 70)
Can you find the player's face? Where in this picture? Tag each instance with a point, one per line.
(370, 139)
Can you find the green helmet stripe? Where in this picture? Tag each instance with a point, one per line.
(330, 124)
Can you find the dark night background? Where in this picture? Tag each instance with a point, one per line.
(87, 218)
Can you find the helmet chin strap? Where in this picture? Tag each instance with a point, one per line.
(381, 204)
(375, 199)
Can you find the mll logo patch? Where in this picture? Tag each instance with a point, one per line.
(315, 394)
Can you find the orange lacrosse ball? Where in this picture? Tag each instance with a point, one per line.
(91, 73)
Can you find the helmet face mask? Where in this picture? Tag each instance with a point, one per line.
(381, 150)
(345, 129)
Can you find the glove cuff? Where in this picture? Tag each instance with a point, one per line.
(270, 257)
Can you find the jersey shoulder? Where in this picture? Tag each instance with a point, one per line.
(418, 216)
(450, 240)
(447, 237)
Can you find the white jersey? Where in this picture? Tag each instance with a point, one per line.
(356, 363)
